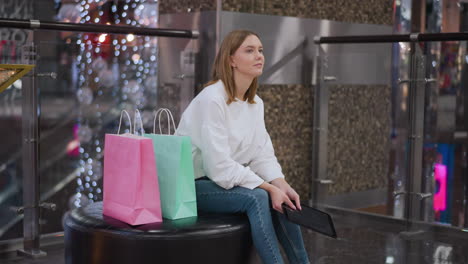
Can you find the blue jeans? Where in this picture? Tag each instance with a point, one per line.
(266, 224)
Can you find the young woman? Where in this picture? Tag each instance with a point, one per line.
(234, 160)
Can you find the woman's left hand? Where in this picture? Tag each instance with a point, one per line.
(288, 190)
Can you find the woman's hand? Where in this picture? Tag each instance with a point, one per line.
(277, 196)
(288, 190)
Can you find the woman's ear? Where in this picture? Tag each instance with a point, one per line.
(231, 62)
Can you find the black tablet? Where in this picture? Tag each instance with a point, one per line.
(311, 218)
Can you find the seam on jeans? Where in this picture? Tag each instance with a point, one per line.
(296, 255)
(258, 212)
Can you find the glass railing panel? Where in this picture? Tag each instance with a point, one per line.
(85, 80)
(369, 131)
(446, 131)
(430, 227)
(361, 135)
(11, 53)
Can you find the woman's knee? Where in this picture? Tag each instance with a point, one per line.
(260, 196)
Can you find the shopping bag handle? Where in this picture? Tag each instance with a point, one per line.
(137, 114)
(129, 121)
(169, 118)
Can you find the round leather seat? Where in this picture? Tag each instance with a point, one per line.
(92, 238)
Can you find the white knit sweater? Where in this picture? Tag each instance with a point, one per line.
(230, 143)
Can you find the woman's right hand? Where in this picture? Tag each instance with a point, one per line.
(278, 197)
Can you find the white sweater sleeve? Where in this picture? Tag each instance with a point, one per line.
(265, 164)
(216, 153)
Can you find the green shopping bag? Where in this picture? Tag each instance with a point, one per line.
(174, 163)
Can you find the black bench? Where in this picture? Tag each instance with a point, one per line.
(91, 238)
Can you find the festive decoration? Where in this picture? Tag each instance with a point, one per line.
(114, 72)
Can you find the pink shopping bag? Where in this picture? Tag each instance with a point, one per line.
(131, 190)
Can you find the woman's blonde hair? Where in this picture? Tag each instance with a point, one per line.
(222, 69)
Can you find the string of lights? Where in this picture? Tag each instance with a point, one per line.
(115, 72)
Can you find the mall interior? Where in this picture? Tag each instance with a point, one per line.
(364, 103)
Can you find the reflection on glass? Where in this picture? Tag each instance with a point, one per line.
(9, 73)
(112, 75)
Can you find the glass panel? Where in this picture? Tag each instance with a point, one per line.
(10, 142)
(445, 147)
(363, 135)
(368, 130)
(85, 80)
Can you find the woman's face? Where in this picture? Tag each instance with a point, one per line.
(248, 58)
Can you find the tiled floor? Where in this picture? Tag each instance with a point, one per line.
(366, 239)
(362, 239)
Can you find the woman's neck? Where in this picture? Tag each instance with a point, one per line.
(242, 83)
